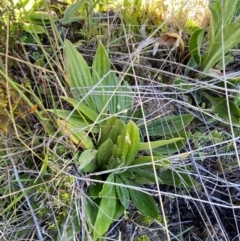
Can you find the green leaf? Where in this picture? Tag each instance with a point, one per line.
(119, 210)
(82, 108)
(116, 130)
(101, 72)
(190, 66)
(122, 193)
(183, 84)
(92, 208)
(95, 188)
(40, 17)
(75, 119)
(113, 97)
(146, 145)
(78, 75)
(143, 176)
(173, 147)
(33, 28)
(231, 37)
(106, 128)
(104, 153)
(178, 178)
(159, 161)
(222, 14)
(142, 201)
(168, 125)
(71, 11)
(85, 161)
(115, 162)
(106, 209)
(128, 142)
(221, 108)
(195, 44)
(215, 9)
(76, 135)
(231, 82)
(65, 21)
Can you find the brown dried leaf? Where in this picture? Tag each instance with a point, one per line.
(171, 39)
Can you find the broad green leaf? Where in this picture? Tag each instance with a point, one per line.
(190, 66)
(159, 161)
(116, 151)
(183, 84)
(33, 28)
(144, 176)
(231, 82)
(104, 153)
(215, 9)
(177, 177)
(75, 119)
(231, 37)
(113, 97)
(95, 188)
(107, 186)
(116, 130)
(106, 209)
(78, 75)
(219, 105)
(65, 21)
(142, 201)
(168, 125)
(153, 144)
(222, 14)
(85, 161)
(40, 17)
(195, 45)
(173, 147)
(122, 193)
(71, 11)
(119, 210)
(101, 74)
(76, 135)
(106, 128)
(128, 142)
(92, 208)
(82, 108)
(114, 162)
(44, 165)
(229, 58)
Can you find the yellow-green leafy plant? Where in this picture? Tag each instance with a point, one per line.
(84, 10)
(223, 35)
(109, 142)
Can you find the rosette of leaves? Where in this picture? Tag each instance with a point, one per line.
(100, 106)
(125, 173)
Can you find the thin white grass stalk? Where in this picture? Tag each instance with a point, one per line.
(38, 229)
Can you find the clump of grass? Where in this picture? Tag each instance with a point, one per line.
(175, 15)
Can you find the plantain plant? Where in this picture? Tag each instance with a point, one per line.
(223, 35)
(109, 142)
